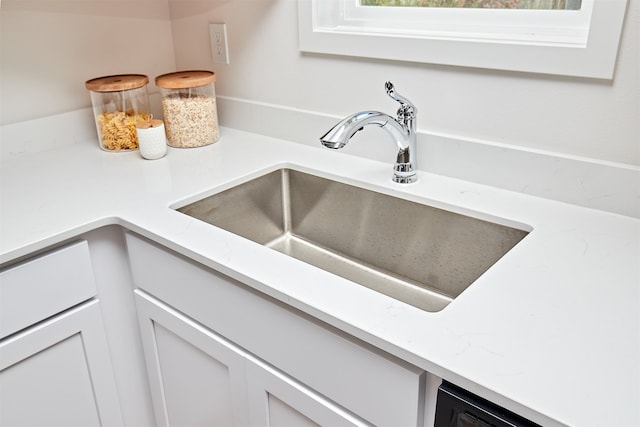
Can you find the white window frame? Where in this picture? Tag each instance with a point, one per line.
(571, 43)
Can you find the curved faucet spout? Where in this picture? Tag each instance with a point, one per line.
(342, 132)
(402, 130)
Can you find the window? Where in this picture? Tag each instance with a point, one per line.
(474, 4)
(565, 37)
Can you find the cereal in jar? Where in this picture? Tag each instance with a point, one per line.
(189, 108)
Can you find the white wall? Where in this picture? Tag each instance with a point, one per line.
(49, 48)
(591, 118)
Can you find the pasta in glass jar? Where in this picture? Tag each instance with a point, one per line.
(118, 103)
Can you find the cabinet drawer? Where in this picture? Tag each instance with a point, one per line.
(44, 286)
(379, 388)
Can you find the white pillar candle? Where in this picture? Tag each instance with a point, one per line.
(152, 139)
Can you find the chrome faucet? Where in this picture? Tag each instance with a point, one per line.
(402, 130)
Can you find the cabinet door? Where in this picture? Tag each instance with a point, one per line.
(276, 400)
(199, 378)
(58, 373)
(196, 378)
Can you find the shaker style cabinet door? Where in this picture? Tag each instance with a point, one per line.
(196, 378)
(58, 373)
(276, 400)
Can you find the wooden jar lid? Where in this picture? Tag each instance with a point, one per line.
(117, 83)
(185, 79)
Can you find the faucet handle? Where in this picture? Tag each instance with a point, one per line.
(407, 109)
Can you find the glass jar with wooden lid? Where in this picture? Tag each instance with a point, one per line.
(189, 108)
(119, 101)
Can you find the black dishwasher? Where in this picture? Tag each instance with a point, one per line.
(457, 407)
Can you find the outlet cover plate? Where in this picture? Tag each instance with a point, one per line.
(219, 47)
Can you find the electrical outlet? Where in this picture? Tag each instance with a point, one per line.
(219, 48)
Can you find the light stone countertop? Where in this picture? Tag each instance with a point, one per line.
(552, 331)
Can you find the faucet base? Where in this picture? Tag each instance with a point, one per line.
(405, 179)
(403, 173)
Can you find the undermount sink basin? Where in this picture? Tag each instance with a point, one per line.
(412, 252)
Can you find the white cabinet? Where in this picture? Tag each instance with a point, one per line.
(196, 378)
(277, 400)
(200, 379)
(58, 373)
(55, 368)
(43, 286)
(298, 370)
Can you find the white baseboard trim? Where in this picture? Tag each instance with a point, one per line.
(608, 186)
(49, 132)
(41, 134)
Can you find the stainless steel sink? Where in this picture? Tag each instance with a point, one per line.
(412, 252)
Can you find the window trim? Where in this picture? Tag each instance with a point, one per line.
(593, 55)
